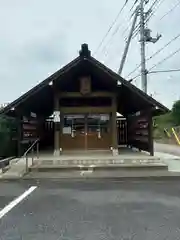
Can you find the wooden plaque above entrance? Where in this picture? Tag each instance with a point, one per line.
(85, 85)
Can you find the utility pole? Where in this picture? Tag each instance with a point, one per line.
(145, 36)
(142, 42)
(128, 41)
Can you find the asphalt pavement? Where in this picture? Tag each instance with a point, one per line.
(89, 210)
(167, 148)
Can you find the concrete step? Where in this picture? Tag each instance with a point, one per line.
(105, 175)
(5, 164)
(87, 152)
(109, 167)
(97, 161)
(16, 170)
(86, 165)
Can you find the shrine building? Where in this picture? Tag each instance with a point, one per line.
(85, 106)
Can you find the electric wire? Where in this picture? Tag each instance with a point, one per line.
(120, 25)
(165, 59)
(157, 52)
(156, 7)
(166, 45)
(112, 36)
(170, 11)
(158, 71)
(152, 12)
(110, 28)
(165, 71)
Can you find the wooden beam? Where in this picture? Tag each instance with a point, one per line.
(86, 109)
(78, 94)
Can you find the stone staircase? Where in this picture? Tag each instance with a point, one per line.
(74, 165)
(98, 163)
(16, 169)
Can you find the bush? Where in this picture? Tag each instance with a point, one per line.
(8, 136)
(176, 112)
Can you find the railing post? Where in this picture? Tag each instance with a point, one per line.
(37, 150)
(32, 155)
(32, 148)
(27, 168)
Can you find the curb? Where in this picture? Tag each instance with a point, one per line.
(87, 178)
(99, 168)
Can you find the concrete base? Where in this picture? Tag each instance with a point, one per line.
(57, 153)
(104, 175)
(128, 161)
(115, 152)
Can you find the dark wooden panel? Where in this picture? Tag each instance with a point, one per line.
(93, 142)
(139, 131)
(122, 131)
(67, 142)
(29, 128)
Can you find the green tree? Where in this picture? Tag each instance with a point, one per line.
(8, 129)
(176, 112)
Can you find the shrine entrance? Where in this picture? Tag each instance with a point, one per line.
(86, 131)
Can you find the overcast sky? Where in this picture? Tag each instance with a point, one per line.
(40, 36)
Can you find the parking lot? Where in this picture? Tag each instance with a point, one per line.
(89, 210)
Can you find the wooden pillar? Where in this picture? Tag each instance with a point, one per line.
(18, 115)
(61, 129)
(150, 133)
(56, 125)
(19, 138)
(114, 127)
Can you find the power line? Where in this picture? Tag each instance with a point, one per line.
(143, 60)
(133, 70)
(154, 4)
(166, 58)
(156, 8)
(166, 45)
(171, 10)
(133, 5)
(104, 49)
(157, 52)
(125, 30)
(136, 1)
(113, 34)
(159, 71)
(119, 26)
(111, 26)
(165, 71)
(160, 62)
(124, 56)
(137, 28)
(135, 77)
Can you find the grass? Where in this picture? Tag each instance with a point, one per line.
(160, 123)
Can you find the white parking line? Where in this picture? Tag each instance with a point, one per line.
(17, 200)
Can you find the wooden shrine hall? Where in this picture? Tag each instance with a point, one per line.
(76, 109)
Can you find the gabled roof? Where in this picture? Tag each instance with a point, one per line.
(85, 56)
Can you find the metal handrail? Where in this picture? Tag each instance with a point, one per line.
(5, 162)
(31, 148)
